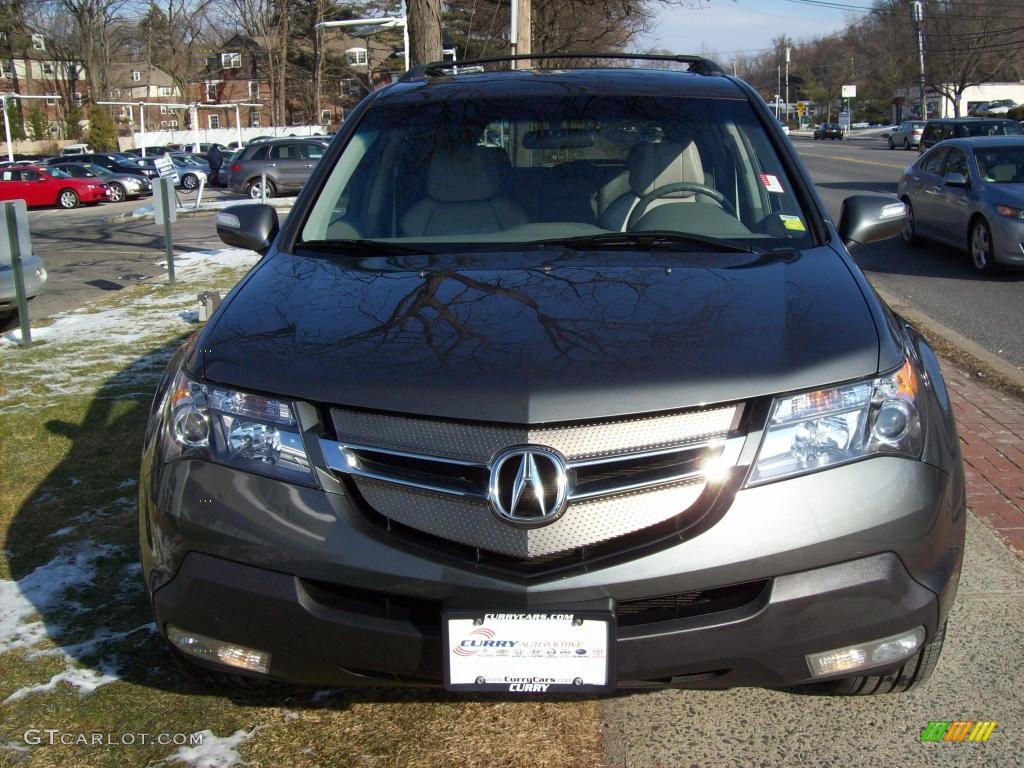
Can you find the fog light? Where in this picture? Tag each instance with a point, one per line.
(863, 655)
(212, 650)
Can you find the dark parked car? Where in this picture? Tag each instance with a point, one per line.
(287, 163)
(828, 131)
(963, 127)
(556, 380)
(121, 185)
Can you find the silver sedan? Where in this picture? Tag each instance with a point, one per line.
(969, 193)
(34, 273)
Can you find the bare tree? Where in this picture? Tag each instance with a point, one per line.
(424, 19)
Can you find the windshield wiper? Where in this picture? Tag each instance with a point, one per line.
(654, 240)
(362, 247)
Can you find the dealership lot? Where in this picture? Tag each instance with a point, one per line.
(979, 677)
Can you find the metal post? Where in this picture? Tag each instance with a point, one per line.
(405, 35)
(199, 191)
(787, 85)
(195, 126)
(238, 127)
(14, 243)
(919, 20)
(778, 91)
(142, 126)
(263, 187)
(7, 129)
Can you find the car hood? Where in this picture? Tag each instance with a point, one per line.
(538, 338)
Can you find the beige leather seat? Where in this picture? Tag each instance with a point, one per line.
(463, 196)
(649, 166)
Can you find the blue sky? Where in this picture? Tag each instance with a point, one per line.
(725, 26)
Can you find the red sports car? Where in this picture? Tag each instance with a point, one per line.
(38, 185)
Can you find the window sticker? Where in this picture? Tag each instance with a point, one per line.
(792, 223)
(771, 183)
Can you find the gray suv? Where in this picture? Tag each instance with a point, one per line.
(287, 164)
(556, 380)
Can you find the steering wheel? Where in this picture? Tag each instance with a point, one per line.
(677, 186)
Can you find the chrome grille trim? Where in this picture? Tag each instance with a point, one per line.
(345, 458)
(480, 442)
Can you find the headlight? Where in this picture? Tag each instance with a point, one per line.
(817, 430)
(1010, 211)
(250, 432)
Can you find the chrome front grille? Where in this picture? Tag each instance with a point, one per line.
(625, 475)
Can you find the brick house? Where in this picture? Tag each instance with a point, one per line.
(29, 68)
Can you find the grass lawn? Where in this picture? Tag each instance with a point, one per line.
(78, 652)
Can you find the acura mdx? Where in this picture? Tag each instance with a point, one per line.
(556, 379)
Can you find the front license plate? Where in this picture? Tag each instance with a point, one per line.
(528, 653)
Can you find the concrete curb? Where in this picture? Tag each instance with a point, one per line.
(915, 317)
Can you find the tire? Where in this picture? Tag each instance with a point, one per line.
(915, 671)
(909, 233)
(981, 248)
(117, 193)
(189, 181)
(906, 144)
(67, 198)
(252, 189)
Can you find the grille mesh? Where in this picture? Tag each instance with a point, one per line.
(479, 442)
(584, 523)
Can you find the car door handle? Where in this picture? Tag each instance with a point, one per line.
(272, 165)
(309, 165)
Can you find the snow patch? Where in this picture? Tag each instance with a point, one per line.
(44, 589)
(82, 679)
(215, 751)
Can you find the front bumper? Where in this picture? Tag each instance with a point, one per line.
(1007, 238)
(856, 553)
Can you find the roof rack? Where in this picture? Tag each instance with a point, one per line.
(698, 64)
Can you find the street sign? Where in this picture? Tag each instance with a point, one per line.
(165, 167)
(165, 203)
(849, 91)
(801, 108)
(844, 120)
(15, 244)
(165, 211)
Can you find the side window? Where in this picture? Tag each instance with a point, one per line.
(956, 162)
(313, 151)
(11, 176)
(260, 154)
(284, 152)
(933, 162)
(29, 176)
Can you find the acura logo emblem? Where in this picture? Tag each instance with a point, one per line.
(528, 485)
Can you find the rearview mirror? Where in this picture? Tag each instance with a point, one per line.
(870, 218)
(955, 180)
(253, 226)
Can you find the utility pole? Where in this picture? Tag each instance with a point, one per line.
(778, 91)
(519, 32)
(919, 21)
(787, 85)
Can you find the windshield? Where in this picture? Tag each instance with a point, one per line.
(525, 170)
(1001, 165)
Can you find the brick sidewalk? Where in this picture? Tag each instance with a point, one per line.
(991, 426)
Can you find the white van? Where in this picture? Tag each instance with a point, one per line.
(76, 149)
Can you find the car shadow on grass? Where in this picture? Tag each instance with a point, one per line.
(72, 551)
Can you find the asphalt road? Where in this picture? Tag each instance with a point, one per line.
(87, 257)
(935, 279)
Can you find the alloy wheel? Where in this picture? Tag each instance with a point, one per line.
(981, 249)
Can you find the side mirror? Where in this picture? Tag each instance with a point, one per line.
(956, 180)
(251, 226)
(870, 218)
